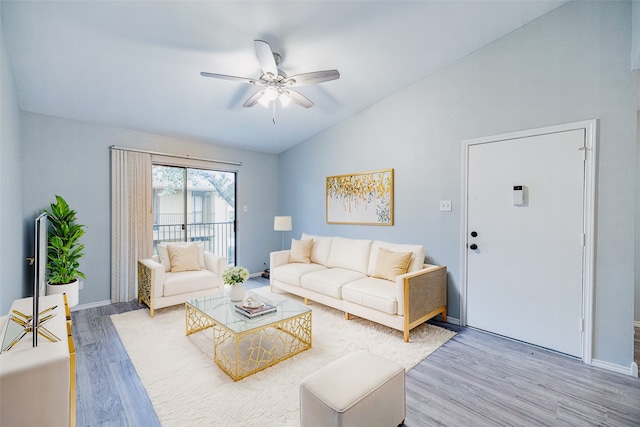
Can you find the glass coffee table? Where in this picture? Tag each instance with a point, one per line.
(243, 346)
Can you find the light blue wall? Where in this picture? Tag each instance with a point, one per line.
(14, 280)
(635, 64)
(637, 224)
(72, 159)
(635, 46)
(569, 65)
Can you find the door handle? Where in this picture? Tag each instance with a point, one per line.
(473, 247)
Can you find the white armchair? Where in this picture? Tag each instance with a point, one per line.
(174, 276)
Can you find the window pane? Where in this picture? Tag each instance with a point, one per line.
(211, 211)
(168, 205)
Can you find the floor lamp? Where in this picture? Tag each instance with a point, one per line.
(282, 223)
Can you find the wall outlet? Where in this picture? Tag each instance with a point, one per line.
(445, 205)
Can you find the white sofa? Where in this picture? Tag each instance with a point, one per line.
(163, 283)
(345, 274)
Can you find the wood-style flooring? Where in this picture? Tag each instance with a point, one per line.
(475, 379)
(478, 379)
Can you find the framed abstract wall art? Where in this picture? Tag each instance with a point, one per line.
(364, 198)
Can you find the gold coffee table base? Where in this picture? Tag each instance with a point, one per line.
(240, 354)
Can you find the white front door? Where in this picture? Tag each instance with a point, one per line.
(525, 276)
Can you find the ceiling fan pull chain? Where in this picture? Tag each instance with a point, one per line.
(273, 116)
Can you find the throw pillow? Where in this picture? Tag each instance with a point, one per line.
(183, 258)
(301, 251)
(391, 264)
(165, 260)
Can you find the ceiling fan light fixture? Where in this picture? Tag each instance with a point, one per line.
(270, 94)
(284, 99)
(264, 101)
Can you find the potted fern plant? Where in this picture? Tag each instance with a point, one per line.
(64, 251)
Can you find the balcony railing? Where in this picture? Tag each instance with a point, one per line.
(218, 237)
(171, 218)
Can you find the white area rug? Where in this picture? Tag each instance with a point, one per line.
(187, 388)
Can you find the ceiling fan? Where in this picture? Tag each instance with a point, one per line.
(277, 85)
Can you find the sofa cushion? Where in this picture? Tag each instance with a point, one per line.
(188, 281)
(321, 248)
(378, 294)
(390, 264)
(301, 251)
(351, 254)
(417, 259)
(183, 258)
(330, 281)
(165, 260)
(291, 273)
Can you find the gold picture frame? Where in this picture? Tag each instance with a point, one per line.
(364, 198)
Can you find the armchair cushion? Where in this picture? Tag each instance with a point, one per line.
(188, 281)
(183, 258)
(165, 259)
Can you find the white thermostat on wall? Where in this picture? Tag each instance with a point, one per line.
(518, 195)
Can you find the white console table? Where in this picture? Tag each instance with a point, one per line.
(38, 384)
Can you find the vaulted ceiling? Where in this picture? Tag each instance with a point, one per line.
(137, 64)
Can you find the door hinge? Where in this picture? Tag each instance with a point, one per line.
(584, 239)
(584, 153)
(581, 325)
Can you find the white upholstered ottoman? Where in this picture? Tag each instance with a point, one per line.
(360, 389)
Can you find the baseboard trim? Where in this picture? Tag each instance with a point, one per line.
(91, 305)
(632, 370)
(636, 323)
(451, 320)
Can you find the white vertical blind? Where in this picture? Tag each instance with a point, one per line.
(131, 220)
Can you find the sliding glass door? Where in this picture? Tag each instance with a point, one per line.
(195, 205)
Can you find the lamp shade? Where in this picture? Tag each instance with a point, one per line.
(282, 223)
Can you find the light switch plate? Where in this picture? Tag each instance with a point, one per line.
(445, 205)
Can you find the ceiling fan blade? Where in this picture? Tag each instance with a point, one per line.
(253, 100)
(265, 58)
(300, 99)
(233, 78)
(312, 78)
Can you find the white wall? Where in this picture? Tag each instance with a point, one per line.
(569, 65)
(72, 159)
(14, 279)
